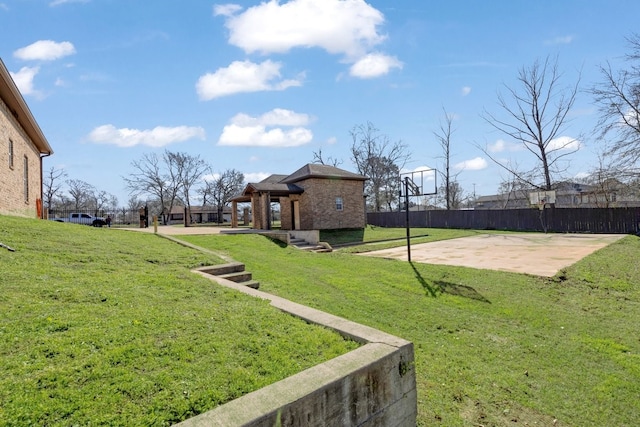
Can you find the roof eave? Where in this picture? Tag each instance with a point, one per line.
(18, 107)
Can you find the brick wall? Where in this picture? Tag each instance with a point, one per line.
(12, 197)
(318, 204)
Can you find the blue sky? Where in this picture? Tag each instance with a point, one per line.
(260, 86)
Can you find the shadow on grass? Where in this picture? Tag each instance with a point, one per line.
(440, 287)
(352, 236)
(277, 242)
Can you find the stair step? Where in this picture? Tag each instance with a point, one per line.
(251, 283)
(238, 276)
(217, 270)
(306, 247)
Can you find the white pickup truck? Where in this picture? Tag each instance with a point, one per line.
(83, 218)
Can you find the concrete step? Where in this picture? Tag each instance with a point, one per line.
(234, 272)
(251, 283)
(237, 276)
(217, 270)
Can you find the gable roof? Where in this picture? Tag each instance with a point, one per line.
(284, 185)
(18, 107)
(313, 170)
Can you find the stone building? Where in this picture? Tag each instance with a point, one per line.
(315, 197)
(22, 148)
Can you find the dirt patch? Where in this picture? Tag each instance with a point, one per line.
(478, 414)
(532, 253)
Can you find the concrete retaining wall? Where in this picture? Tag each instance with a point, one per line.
(374, 385)
(311, 236)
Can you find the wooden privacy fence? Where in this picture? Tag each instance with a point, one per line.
(564, 220)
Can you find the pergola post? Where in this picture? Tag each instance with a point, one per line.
(234, 214)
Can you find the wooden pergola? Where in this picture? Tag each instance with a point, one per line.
(261, 195)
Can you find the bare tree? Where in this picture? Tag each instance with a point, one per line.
(80, 192)
(380, 160)
(52, 184)
(443, 135)
(221, 189)
(189, 171)
(618, 100)
(102, 200)
(331, 161)
(452, 195)
(153, 176)
(513, 189)
(536, 116)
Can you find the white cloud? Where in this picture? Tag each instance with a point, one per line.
(256, 176)
(243, 77)
(560, 40)
(374, 65)
(475, 164)
(59, 2)
(45, 50)
(501, 145)
(24, 80)
(466, 90)
(275, 117)
(332, 140)
(630, 118)
(226, 9)
(582, 175)
(348, 27)
(159, 136)
(247, 131)
(259, 136)
(564, 143)
(210, 177)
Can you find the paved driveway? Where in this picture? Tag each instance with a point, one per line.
(533, 253)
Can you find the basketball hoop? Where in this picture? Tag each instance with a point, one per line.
(541, 204)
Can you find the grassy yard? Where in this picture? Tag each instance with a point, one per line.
(492, 348)
(109, 327)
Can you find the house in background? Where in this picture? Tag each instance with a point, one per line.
(315, 197)
(22, 147)
(199, 214)
(609, 194)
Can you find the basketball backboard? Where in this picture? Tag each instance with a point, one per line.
(537, 198)
(419, 183)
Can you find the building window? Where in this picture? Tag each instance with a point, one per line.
(11, 154)
(25, 178)
(339, 205)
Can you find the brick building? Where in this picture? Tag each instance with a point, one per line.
(22, 147)
(315, 197)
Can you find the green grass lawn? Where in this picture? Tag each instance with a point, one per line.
(492, 348)
(109, 327)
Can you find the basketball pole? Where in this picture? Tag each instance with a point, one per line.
(406, 205)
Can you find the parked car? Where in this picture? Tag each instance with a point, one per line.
(83, 218)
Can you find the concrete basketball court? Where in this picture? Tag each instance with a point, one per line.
(532, 253)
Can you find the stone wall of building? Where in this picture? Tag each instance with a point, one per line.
(14, 199)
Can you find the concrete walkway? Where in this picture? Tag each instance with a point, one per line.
(172, 230)
(532, 253)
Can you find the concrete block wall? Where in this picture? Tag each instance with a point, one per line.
(374, 385)
(12, 197)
